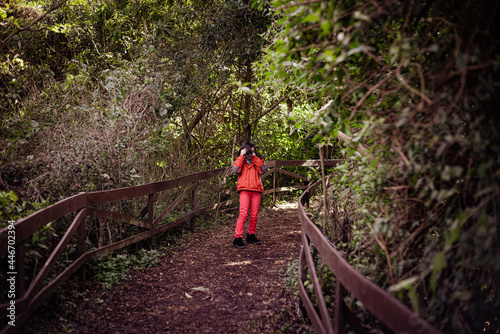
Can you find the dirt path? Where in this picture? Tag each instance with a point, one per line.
(207, 286)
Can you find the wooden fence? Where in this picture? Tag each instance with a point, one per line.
(394, 314)
(14, 237)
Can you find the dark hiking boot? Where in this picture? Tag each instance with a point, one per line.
(238, 243)
(252, 239)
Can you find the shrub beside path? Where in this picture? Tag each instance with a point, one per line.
(207, 286)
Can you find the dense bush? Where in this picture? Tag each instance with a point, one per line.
(417, 84)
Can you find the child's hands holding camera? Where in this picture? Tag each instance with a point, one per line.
(247, 153)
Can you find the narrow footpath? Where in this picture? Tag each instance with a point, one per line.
(208, 286)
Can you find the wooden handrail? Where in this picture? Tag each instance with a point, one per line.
(387, 308)
(27, 226)
(27, 300)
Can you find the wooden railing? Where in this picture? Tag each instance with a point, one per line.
(25, 299)
(394, 314)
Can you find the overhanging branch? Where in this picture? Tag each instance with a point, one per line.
(33, 23)
(268, 110)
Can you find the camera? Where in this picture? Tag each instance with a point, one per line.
(249, 154)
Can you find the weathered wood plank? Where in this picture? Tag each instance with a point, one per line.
(325, 317)
(283, 189)
(51, 261)
(25, 227)
(311, 312)
(108, 196)
(284, 171)
(218, 189)
(119, 217)
(269, 172)
(303, 163)
(174, 204)
(391, 311)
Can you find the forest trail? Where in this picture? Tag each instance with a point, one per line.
(207, 286)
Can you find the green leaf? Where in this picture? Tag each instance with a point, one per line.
(59, 28)
(405, 284)
(247, 90)
(326, 26)
(438, 264)
(413, 298)
(310, 18)
(454, 235)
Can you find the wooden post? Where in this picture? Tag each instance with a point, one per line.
(193, 206)
(20, 269)
(325, 199)
(306, 203)
(274, 185)
(151, 209)
(80, 250)
(339, 307)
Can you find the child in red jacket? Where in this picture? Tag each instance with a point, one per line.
(249, 166)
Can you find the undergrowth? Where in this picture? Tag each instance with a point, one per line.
(108, 271)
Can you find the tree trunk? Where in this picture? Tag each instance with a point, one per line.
(247, 102)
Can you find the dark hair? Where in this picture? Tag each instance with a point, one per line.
(248, 145)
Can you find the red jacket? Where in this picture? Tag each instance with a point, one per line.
(249, 172)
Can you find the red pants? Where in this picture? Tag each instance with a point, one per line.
(248, 200)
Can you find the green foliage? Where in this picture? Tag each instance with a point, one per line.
(112, 269)
(12, 210)
(85, 127)
(416, 83)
